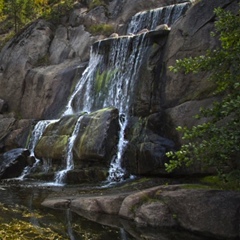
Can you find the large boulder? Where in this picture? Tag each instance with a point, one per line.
(53, 143)
(13, 162)
(145, 152)
(182, 95)
(187, 208)
(94, 142)
(97, 138)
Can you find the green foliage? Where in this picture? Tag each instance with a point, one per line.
(57, 9)
(22, 12)
(226, 181)
(105, 29)
(217, 141)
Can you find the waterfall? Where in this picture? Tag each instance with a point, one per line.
(151, 19)
(36, 135)
(109, 80)
(83, 86)
(61, 175)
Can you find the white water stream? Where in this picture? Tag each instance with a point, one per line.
(110, 81)
(151, 19)
(36, 135)
(61, 175)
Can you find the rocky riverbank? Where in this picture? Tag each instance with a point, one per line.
(157, 203)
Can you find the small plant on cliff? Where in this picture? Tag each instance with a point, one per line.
(105, 29)
(217, 141)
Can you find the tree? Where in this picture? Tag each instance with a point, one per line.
(23, 11)
(217, 141)
(1, 8)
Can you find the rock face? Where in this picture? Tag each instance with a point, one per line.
(189, 38)
(40, 67)
(18, 56)
(208, 212)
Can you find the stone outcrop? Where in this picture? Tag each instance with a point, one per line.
(203, 211)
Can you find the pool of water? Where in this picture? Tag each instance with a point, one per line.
(22, 217)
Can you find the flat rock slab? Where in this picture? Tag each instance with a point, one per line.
(206, 211)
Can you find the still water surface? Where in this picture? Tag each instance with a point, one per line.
(21, 203)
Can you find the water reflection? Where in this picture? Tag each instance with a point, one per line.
(21, 203)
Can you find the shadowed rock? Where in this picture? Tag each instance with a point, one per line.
(13, 162)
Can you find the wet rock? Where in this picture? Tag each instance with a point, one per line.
(53, 143)
(97, 139)
(13, 162)
(145, 152)
(145, 30)
(95, 142)
(87, 175)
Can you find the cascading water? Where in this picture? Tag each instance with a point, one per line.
(61, 175)
(109, 81)
(36, 135)
(84, 85)
(151, 19)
